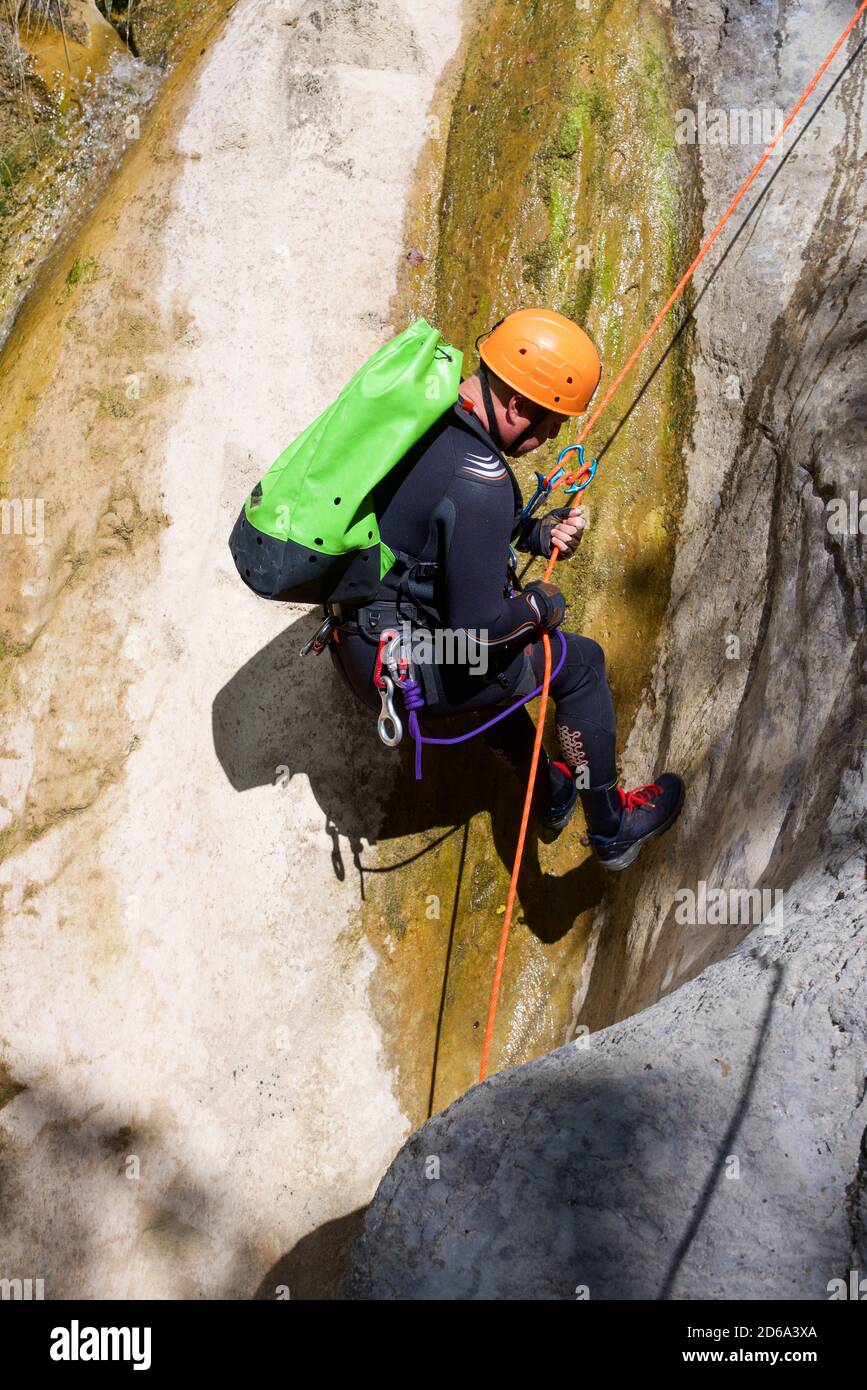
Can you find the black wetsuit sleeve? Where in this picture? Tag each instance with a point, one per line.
(526, 537)
(481, 520)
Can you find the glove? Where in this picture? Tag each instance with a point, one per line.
(536, 536)
(547, 524)
(547, 602)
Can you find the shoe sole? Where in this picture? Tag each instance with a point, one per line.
(629, 856)
(549, 833)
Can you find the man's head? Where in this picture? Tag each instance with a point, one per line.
(537, 369)
(522, 424)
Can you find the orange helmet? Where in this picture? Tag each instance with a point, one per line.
(546, 357)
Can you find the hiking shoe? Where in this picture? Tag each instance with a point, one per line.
(557, 815)
(647, 811)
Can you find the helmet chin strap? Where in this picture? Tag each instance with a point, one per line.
(493, 425)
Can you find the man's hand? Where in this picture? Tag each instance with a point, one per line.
(563, 528)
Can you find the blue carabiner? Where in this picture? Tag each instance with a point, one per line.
(543, 487)
(590, 467)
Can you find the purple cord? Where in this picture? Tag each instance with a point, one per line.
(414, 701)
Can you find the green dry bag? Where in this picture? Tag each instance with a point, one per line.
(308, 532)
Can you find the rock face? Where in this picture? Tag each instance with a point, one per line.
(709, 1147)
(712, 1146)
(156, 28)
(67, 40)
(183, 971)
(181, 987)
(71, 101)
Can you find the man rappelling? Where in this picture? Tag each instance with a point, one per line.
(450, 512)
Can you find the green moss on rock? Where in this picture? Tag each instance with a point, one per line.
(575, 198)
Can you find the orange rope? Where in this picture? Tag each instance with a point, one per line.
(543, 699)
(519, 854)
(682, 284)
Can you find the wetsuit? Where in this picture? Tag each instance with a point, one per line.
(449, 512)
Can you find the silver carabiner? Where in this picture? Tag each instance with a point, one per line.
(388, 715)
(391, 657)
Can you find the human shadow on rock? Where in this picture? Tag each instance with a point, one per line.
(281, 716)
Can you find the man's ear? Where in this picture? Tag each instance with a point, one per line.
(519, 407)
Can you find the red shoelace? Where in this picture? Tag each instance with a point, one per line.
(639, 796)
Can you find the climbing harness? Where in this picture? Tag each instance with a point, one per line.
(545, 485)
(415, 701)
(398, 673)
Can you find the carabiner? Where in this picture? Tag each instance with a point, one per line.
(394, 657)
(588, 468)
(388, 714)
(321, 637)
(543, 487)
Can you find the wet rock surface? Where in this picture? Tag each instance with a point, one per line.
(611, 1168)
